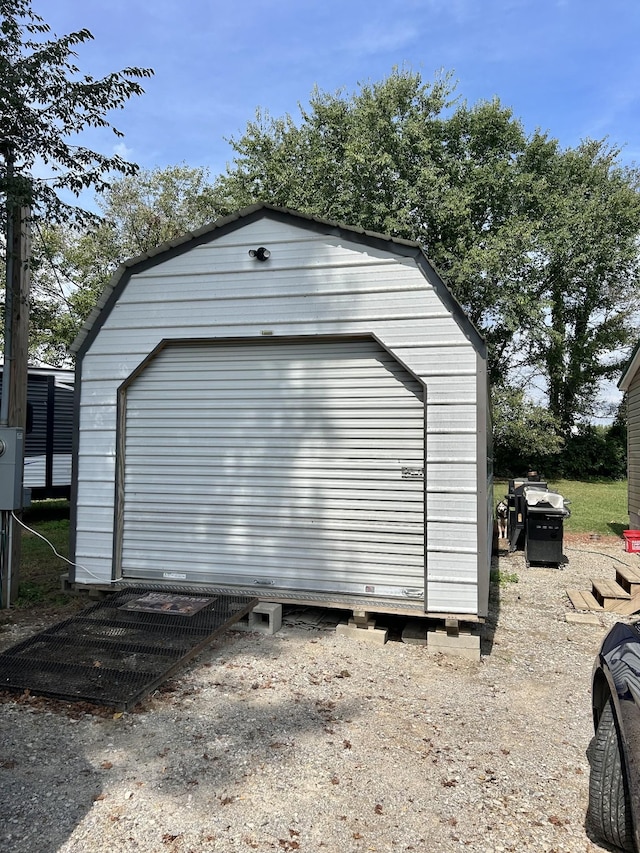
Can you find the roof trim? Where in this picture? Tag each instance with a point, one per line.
(178, 246)
(633, 365)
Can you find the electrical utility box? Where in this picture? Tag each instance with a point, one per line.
(11, 464)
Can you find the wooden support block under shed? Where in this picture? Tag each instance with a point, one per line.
(452, 627)
(362, 618)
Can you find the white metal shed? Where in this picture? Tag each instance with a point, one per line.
(312, 426)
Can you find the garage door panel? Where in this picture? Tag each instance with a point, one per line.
(245, 492)
(284, 460)
(366, 513)
(294, 577)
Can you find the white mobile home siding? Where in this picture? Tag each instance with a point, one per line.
(329, 292)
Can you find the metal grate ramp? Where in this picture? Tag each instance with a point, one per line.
(119, 650)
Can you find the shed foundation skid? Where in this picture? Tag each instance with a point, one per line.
(443, 633)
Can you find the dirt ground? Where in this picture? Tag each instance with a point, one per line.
(305, 740)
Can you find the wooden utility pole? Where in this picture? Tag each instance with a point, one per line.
(15, 377)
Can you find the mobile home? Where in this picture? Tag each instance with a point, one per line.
(48, 439)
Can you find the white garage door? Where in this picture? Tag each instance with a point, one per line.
(288, 465)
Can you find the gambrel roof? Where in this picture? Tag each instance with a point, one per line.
(219, 227)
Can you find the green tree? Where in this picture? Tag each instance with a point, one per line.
(394, 158)
(539, 244)
(156, 205)
(45, 103)
(72, 266)
(525, 435)
(585, 271)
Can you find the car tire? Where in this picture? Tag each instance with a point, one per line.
(609, 806)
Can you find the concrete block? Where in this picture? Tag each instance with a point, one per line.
(415, 632)
(265, 617)
(370, 633)
(465, 644)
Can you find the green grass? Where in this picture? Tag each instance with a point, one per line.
(596, 506)
(503, 578)
(40, 569)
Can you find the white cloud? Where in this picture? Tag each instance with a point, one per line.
(122, 150)
(376, 38)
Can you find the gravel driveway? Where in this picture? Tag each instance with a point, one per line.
(308, 741)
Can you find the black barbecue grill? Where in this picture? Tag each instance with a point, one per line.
(535, 521)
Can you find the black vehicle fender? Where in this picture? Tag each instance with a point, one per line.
(616, 674)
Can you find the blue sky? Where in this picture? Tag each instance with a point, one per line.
(569, 67)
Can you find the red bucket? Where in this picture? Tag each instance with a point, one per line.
(632, 541)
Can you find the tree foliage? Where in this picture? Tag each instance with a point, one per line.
(72, 266)
(539, 244)
(155, 206)
(585, 274)
(594, 451)
(394, 158)
(524, 434)
(45, 104)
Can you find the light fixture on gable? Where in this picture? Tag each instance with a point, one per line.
(260, 254)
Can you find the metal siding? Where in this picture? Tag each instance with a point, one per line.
(452, 582)
(453, 597)
(97, 494)
(287, 468)
(291, 248)
(63, 417)
(456, 477)
(61, 470)
(452, 534)
(319, 280)
(484, 476)
(417, 328)
(633, 445)
(451, 446)
(452, 507)
(47, 451)
(277, 312)
(452, 390)
(451, 416)
(35, 449)
(440, 360)
(37, 395)
(113, 341)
